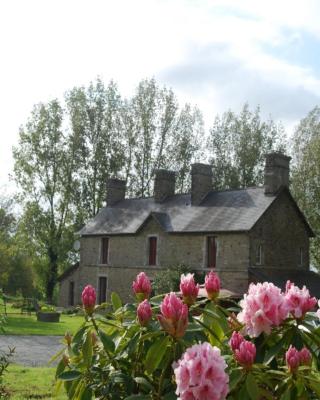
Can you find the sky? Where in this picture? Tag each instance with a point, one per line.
(217, 54)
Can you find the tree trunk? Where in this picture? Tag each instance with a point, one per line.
(52, 274)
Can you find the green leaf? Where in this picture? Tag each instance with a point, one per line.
(108, 343)
(252, 387)
(87, 350)
(86, 394)
(235, 378)
(271, 353)
(143, 382)
(116, 301)
(79, 335)
(60, 367)
(138, 397)
(70, 375)
(156, 353)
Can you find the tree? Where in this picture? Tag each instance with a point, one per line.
(238, 144)
(96, 131)
(44, 170)
(306, 174)
(159, 136)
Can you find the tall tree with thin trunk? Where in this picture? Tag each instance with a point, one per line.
(44, 169)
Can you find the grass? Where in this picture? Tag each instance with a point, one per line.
(31, 383)
(23, 324)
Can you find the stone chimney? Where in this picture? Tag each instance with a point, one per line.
(276, 172)
(201, 182)
(164, 184)
(116, 191)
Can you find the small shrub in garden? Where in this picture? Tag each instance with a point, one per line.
(190, 348)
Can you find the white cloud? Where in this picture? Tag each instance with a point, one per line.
(215, 53)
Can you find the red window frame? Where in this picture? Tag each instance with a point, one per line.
(211, 252)
(104, 250)
(152, 250)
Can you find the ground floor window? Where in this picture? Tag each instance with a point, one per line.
(102, 289)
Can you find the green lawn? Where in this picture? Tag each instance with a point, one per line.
(23, 324)
(31, 383)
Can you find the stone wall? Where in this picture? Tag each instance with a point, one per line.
(128, 255)
(282, 233)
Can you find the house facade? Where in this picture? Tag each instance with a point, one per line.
(243, 235)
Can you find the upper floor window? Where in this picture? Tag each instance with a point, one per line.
(259, 254)
(152, 250)
(211, 252)
(104, 250)
(300, 257)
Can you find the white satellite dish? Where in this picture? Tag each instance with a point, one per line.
(76, 245)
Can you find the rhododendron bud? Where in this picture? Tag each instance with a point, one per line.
(144, 313)
(298, 300)
(292, 359)
(245, 354)
(200, 374)
(68, 338)
(66, 360)
(305, 356)
(263, 306)
(174, 315)
(212, 285)
(235, 341)
(89, 299)
(189, 289)
(142, 286)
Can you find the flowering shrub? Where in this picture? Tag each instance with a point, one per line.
(189, 348)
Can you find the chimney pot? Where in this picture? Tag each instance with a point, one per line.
(164, 184)
(276, 172)
(201, 182)
(116, 191)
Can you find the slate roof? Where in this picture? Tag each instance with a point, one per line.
(220, 211)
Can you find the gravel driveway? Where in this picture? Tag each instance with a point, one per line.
(32, 351)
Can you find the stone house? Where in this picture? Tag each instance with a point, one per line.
(251, 234)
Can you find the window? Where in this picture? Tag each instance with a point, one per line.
(71, 293)
(152, 250)
(301, 257)
(102, 289)
(104, 250)
(259, 254)
(211, 252)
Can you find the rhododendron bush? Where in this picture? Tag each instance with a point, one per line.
(191, 347)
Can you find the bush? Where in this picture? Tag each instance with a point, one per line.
(266, 348)
(169, 280)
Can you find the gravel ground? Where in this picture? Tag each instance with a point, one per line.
(32, 351)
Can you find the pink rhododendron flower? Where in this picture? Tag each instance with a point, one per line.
(174, 315)
(236, 340)
(298, 300)
(200, 374)
(88, 299)
(189, 289)
(305, 356)
(212, 285)
(144, 313)
(292, 358)
(263, 306)
(245, 354)
(142, 286)
(295, 358)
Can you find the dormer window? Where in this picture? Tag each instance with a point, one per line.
(104, 250)
(259, 254)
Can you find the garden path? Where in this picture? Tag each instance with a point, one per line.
(32, 351)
